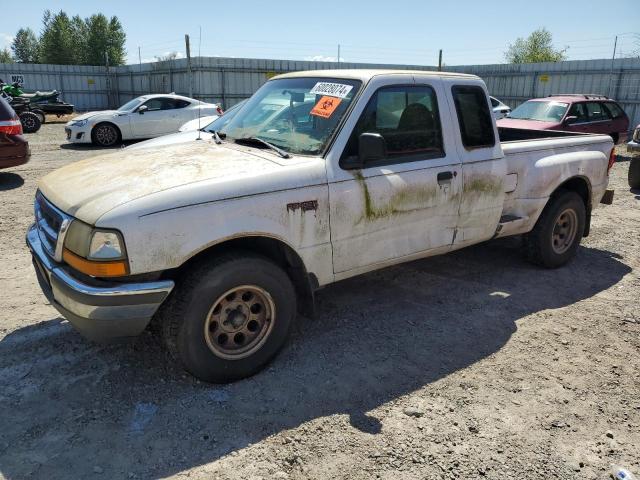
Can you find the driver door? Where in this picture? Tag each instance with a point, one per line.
(160, 118)
(406, 203)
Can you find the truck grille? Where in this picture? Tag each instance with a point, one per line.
(51, 224)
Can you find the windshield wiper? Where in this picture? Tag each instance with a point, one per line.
(217, 138)
(254, 140)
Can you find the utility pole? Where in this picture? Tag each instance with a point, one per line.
(615, 44)
(108, 82)
(189, 73)
(338, 54)
(139, 58)
(440, 61)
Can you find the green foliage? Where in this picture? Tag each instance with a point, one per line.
(5, 56)
(57, 40)
(537, 47)
(68, 40)
(26, 46)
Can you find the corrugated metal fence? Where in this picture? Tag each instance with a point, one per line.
(229, 80)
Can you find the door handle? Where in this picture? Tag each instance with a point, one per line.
(444, 177)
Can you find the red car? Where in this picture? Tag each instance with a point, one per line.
(572, 113)
(14, 149)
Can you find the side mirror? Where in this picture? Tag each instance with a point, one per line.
(570, 119)
(142, 109)
(371, 147)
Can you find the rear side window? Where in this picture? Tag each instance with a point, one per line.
(596, 112)
(614, 109)
(174, 103)
(476, 122)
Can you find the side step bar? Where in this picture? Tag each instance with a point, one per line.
(508, 220)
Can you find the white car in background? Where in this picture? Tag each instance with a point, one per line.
(500, 110)
(147, 116)
(201, 123)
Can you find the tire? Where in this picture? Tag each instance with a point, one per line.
(556, 236)
(105, 135)
(30, 122)
(40, 115)
(212, 326)
(634, 173)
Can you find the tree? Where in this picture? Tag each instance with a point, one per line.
(167, 57)
(57, 40)
(77, 41)
(104, 35)
(5, 56)
(537, 47)
(25, 46)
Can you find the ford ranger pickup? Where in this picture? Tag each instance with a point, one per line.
(221, 237)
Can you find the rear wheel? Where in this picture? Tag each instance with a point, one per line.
(229, 317)
(634, 173)
(30, 122)
(557, 233)
(40, 115)
(105, 135)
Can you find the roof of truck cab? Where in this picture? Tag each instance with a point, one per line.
(366, 74)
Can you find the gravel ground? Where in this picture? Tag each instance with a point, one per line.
(469, 365)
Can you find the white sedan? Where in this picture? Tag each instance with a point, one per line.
(148, 116)
(500, 110)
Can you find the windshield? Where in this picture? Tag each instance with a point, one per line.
(225, 118)
(542, 111)
(298, 115)
(131, 104)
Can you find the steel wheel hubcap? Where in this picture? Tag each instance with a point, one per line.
(239, 322)
(106, 135)
(564, 231)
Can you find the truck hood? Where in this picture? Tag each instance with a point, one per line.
(527, 124)
(90, 188)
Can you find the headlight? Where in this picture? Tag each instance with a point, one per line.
(79, 123)
(105, 246)
(95, 252)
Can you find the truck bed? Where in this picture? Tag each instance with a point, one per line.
(536, 163)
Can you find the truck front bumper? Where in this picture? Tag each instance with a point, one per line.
(100, 311)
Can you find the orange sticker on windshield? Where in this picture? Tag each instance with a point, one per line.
(326, 106)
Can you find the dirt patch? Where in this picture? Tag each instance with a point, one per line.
(469, 365)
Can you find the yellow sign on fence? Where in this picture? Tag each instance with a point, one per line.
(544, 78)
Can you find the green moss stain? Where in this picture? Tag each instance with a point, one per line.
(484, 185)
(405, 200)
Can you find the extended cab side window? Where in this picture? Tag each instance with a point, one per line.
(474, 117)
(407, 118)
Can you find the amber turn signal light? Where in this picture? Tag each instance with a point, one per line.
(116, 268)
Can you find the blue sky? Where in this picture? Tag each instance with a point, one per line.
(402, 31)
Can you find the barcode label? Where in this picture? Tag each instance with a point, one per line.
(332, 89)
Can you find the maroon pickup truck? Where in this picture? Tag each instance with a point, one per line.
(573, 113)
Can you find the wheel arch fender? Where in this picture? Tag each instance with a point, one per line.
(274, 248)
(108, 122)
(582, 186)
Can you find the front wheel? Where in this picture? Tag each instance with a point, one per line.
(556, 236)
(105, 135)
(229, 317)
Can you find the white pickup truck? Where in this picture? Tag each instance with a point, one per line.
(222, 237)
